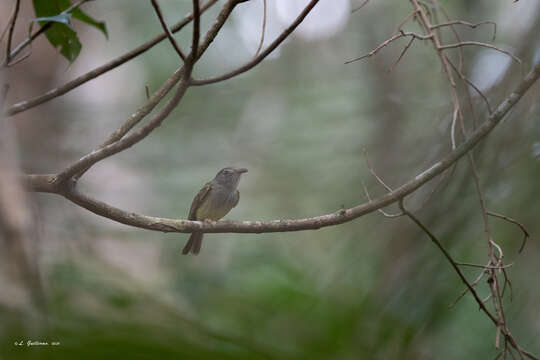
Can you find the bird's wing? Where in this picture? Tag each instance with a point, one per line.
(198, 200)
(237, 198)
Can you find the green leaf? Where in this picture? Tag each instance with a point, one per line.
(61, 34)
(100, 25)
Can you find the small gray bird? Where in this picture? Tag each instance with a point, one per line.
(213, 202)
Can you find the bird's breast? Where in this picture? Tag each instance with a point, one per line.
(217, 204)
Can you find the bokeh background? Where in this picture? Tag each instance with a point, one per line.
(374, 288)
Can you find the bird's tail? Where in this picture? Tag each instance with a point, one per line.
(194, 244)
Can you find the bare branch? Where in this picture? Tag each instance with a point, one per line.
(167, 31)
(401, 55)
(136, 117)
(360, 6)
(485, 266)
(372, 171)
(385, 214)
(11, 24)
(59, 91)
(515, 222)
(473, 284)
(481, 44)
(88, 160)
(448, 257)
(471, 84)
(255, 61)
(471, 25)
(454, 31)
(263, 30)
(116, 142)
(388, 41)
(196, 32)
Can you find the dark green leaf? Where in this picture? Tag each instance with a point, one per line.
(61, 34)
(79, 15)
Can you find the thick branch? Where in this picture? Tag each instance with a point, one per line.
(341, 216)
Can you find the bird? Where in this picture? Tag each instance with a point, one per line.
(212, 202)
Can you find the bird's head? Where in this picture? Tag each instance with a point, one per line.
(229, 176)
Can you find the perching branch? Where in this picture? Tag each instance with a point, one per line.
(47, 183)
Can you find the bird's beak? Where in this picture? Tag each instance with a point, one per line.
(241, 170)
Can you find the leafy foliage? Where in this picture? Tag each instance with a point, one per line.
(60, 33)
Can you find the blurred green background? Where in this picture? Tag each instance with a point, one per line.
(374, 288)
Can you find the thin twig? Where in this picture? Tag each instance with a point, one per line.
(471, 25)
(263, 54)
(485, 266)
(401, 55)
(372, 171)
(196, 32)
(359, 6)
(515, 222)
(263, 30)
(385, 214)
(387, 42)
(454, 31)
(473, 284)
(117, 141)
(403, 22)
(448, 257)
(481, 44)
(20, 59)
(471, 84)
(147, 92)
(12, 21)
(168, 32)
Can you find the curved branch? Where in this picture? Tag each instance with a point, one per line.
(263, 30)
(46, 183)
(265, 53)
(481, 44)
(471, 25)
(137, 116)
(167, 31)
(116, 141)
(59, 91)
